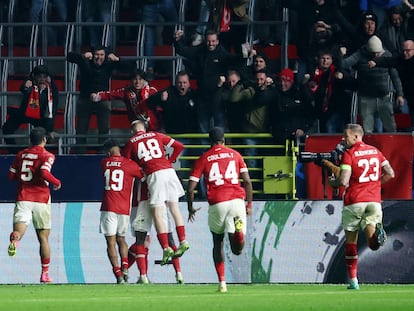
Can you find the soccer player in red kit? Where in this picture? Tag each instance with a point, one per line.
(141, 222)
(164, 186)
(32, 170)
(119, 174)
(363, 169)
(222, 168)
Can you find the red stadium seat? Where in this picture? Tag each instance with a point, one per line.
(160, 84)
(274, 52)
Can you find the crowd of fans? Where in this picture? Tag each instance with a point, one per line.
(343, 47)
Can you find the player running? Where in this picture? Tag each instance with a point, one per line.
(222, 168)
(363, 169)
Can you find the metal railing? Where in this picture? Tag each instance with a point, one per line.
(37, 52)
(279, 179)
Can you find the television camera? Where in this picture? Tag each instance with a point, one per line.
(317, 157)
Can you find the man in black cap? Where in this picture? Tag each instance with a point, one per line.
(38, 106)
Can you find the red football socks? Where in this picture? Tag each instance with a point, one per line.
(220, 270)
(351, 258)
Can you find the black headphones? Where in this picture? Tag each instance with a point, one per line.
(144, 119)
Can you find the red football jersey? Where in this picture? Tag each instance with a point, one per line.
(31, 168)
(119, 174)
(148, 150)
(221, 167)
(136, 102)
(140, 192)
(366, 164)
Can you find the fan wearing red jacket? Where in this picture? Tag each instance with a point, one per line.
(164, 186)
(363, 169)
(135, 98)
(119, 174)
(32, 170)
(222, 168)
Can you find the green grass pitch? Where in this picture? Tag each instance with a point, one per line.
(156, 297)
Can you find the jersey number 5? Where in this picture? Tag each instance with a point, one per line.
(26, 173)
(217, 177)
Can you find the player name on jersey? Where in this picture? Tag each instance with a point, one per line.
(218, 156)
(361, 153)
(143, 135)
(30, 156)
(112, 163)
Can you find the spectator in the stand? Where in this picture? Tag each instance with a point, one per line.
(268, 10)
(374, 92)
(291, 112)
(135, 97)
(257, 109)
(38, 106)
(208, 62)
(204, 15)
(308, 13)
(96, 69)
(56, 35)
(408, 4)
(379, 8)
(177, 104)
(409, 7)
(358, 35)
(258, 100)
(323, 37)
(234, 96)
(404, 64)
(150, 13)
(223, 13)
(394, 30)
(96, 11)
(332, 103)
(260, 63)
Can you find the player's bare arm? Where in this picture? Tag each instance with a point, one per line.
(190, 199)
(388, 173)
(249, 191)
(341, 180)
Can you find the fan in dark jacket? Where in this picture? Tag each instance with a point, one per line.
(39, 103)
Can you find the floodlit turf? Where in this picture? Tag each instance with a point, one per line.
(156, 297)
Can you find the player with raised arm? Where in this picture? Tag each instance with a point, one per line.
(164, 187)
(363, 169)
(119, 174)
(32, 170)
(222, 168)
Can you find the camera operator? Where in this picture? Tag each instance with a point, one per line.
(38, 106)
(329, 160)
